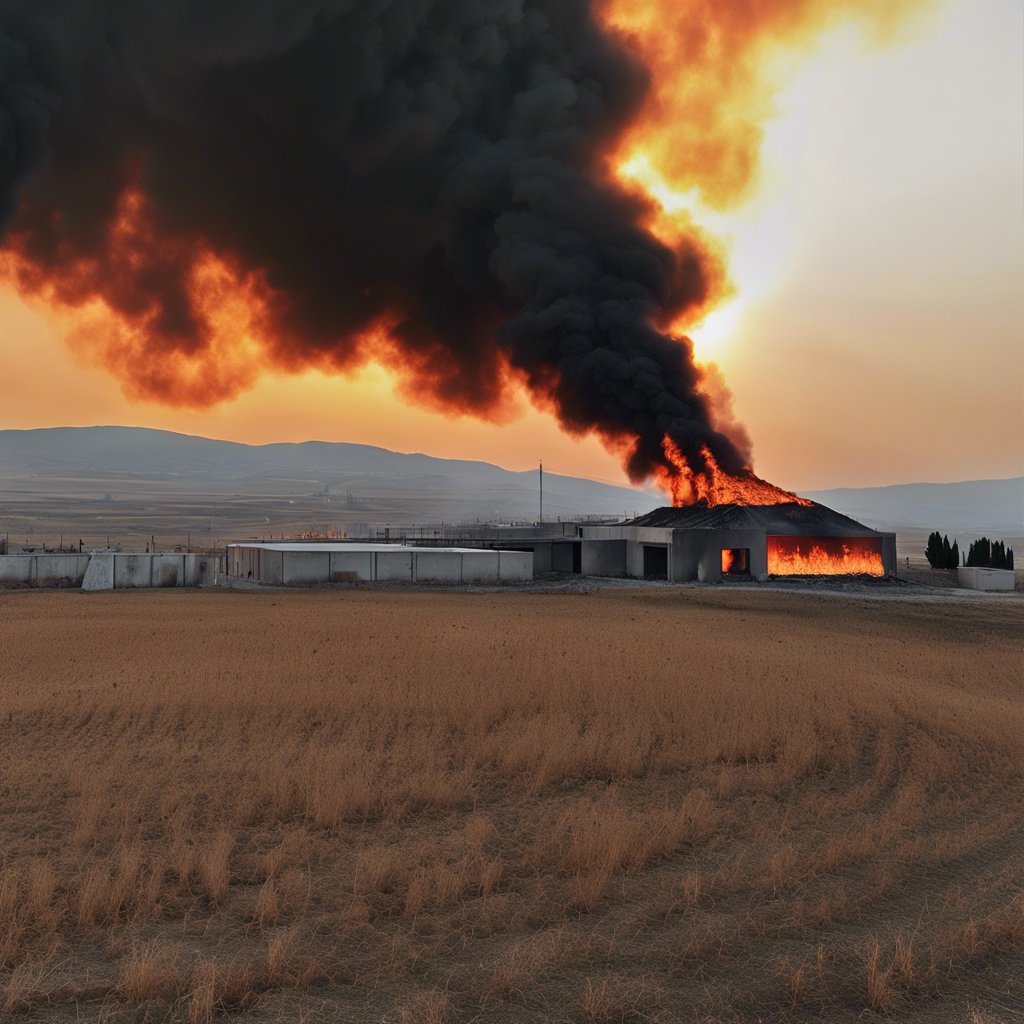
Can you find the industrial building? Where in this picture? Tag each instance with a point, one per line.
(679, 545)
(697, 543)
(286, 564)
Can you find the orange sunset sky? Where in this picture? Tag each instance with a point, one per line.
(876, 330)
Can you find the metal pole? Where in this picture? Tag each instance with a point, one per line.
(542, 492)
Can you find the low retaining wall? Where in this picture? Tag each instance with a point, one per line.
(44, 569)
(306, 567)
(128, 570)
(109, 570)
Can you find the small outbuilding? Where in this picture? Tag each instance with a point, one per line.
(976, 577)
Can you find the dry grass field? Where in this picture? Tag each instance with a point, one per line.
(647, 806)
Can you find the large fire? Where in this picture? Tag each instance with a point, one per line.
(109, 311)
(825, 556)
(712, 486)
(328, 228)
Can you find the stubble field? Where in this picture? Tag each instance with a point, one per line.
(347, 805)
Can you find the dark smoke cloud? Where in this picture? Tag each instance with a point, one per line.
(438, 162)
(25, 108)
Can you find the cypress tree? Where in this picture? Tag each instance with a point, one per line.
(998, 555)
(972, 554)
(1009, 558)
(954, 561)
(933, 552)
(947, 553)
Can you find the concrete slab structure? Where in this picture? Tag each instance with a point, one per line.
(973, 577)
(100, 574)
(43, 569)
(116, 570)
(303, 564)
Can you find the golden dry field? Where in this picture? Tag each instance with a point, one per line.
(631, 805)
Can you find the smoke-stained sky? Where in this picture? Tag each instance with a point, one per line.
(434, 174)
(840, 329)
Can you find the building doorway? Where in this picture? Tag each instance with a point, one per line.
(655, 562)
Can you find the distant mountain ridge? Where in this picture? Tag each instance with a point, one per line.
(115, 458)
(968, 505)
(118, 457)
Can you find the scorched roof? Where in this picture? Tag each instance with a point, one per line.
(787, 519)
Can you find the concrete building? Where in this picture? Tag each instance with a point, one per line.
(737, 541)
(285, 564)
(696, 543)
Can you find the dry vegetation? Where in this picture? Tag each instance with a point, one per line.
(623, 806)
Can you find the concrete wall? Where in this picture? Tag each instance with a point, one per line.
(298, 568)
(43, 568)
(562, 557)
(271, 567)
(604, 558)
(478, 567)
(697, 554)
(542, 558)
(445, 566)
(128, 571)
(394, 566)
(304, 566)
(889, 554)
(976, 578)
(351, 566)
(515, 566)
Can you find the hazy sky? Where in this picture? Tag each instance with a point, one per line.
(877, 334)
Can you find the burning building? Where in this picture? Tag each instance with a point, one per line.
(704, 543)
(709, 544)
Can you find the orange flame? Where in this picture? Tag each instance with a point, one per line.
(825, 556)
(231, 307)
(735, 560)
(712, 486)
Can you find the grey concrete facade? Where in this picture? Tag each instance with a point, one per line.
(107, 570)
(305, 564)
(44, 569)
(117, 570)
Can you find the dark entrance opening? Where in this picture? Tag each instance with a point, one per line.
(655, 562)
(735, 561)
(567, 556)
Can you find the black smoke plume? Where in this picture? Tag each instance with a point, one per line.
(438, 164)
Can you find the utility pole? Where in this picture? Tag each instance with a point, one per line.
(542, 492)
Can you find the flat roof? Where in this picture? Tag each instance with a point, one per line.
(357, 548)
